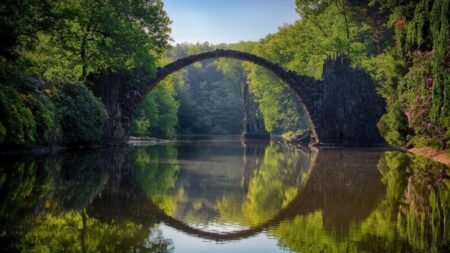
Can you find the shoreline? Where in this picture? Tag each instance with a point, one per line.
(441, 156)
(436, 155)
(56, 148)
(136, 141)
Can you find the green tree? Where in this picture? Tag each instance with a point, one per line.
(59, 42)
(210, 97)
(157, 115)
(98, 36)
(417, 82)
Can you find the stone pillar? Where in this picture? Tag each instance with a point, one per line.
(121, 94)
(253, 119)
(344, 106)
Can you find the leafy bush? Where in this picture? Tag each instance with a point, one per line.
(140, 127)
(82, 114)
(48, 128)
(2, 132)
(17, 125)
(393, 126)
(74, 115)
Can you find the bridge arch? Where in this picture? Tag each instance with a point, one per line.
(343, 108)
(292, 79)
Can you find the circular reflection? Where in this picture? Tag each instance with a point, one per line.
(219, 187)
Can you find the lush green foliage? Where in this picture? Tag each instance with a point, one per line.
(393, 126)
(16, 120)
(414, 71)
(49, 41)
(82, 114)
(157, 115)
(211, 101)
(324, 31)
(89, 37)
(47, 117)
(209, 96)
(403, 45)
(65, 113)
(280, 107)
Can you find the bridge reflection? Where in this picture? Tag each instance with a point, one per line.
(344, 184)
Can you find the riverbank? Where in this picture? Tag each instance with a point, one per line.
(145, 141)
(441, 156)
(39, 150)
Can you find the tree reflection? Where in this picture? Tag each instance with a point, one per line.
(270, 179)
(352, 201)
(19, 185)
(413, 215)
(156, 170)
(274, 183)
(77, 232)
(43, 208)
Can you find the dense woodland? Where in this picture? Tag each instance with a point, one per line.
(49, 49)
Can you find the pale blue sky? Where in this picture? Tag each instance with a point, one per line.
(227, 21)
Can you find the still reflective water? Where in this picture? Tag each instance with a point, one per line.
(224, 196)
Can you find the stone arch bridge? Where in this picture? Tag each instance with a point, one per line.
(343, 107)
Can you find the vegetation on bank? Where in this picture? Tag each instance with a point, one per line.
(68, 114)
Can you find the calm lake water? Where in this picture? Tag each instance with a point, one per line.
(224, 196)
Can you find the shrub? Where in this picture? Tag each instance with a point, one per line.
(17, 125)
(393, 126)
(48, 128)
(82, 115)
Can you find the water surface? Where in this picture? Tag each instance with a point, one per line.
(224, 196)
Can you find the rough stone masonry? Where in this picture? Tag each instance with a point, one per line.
(343, 107)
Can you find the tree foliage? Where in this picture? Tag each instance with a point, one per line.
(16, 120)
(82, 114)
(418, 81)
(47, 45)
(89, 37)
(157, 115)
(210, 97)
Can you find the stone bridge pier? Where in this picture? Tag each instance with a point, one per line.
(343, 107)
